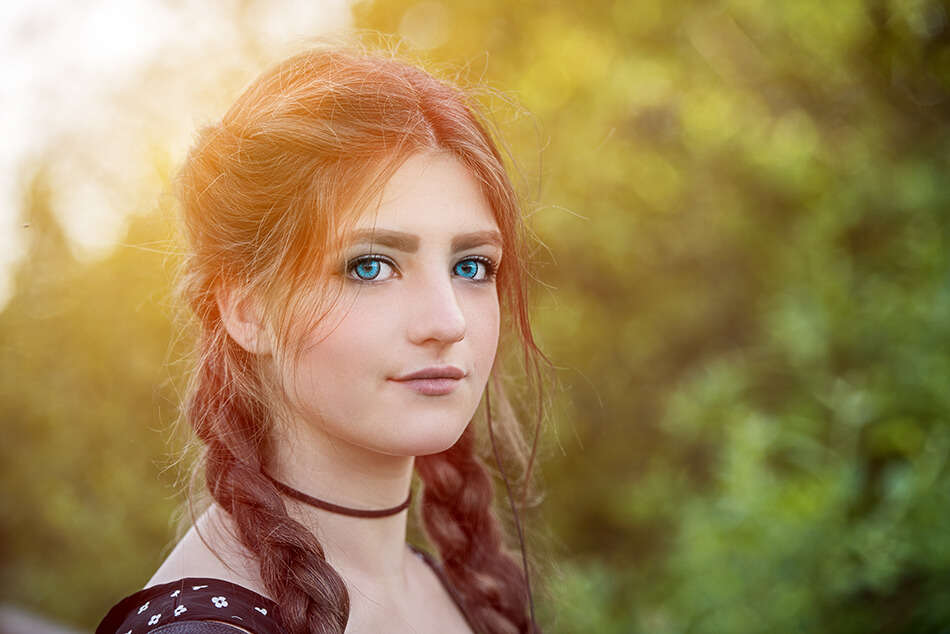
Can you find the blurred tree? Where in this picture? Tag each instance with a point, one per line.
(87, 502)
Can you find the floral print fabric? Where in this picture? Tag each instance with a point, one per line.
(191, 599)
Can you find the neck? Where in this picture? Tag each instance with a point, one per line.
(338, 509)
(358, 547)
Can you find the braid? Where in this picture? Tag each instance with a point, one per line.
(458, 517)
(293, 567)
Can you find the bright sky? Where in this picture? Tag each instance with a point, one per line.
(72, 89)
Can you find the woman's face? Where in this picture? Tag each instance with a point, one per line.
(399, 365)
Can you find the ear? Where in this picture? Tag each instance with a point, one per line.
(243, 319)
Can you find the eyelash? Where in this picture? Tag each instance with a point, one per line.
(355, 262)
(491, 268)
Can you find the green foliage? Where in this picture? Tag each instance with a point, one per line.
(83, 391)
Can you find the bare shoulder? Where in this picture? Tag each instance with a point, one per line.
(209, 550)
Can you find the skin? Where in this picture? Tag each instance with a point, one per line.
(397, 369)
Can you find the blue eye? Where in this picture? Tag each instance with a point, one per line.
(370, 268)
(367, 269)
(476, 269)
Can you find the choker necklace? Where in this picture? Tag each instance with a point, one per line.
(300, 496)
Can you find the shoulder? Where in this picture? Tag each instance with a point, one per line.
(192, 606)
(194, 557)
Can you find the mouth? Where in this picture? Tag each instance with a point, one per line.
(433, 381)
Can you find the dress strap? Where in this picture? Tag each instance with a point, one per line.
(436, 566)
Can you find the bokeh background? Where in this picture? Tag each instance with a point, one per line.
(747, 295)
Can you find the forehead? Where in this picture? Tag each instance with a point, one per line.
(430, 193)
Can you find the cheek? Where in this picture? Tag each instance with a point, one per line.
(349, 339)
(336, 349)
(485, 331)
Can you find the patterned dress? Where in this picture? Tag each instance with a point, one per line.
(157, 608)
(211, 606)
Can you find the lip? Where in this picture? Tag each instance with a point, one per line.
(432, 381)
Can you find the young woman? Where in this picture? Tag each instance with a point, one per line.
(355, 249)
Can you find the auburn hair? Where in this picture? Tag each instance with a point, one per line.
(263, 194)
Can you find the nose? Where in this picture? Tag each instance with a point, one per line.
(437, 316)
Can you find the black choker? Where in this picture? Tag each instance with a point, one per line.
(336, 508)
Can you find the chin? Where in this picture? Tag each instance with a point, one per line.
(432, 441)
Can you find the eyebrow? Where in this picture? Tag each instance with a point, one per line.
(409, 243)
(477, 239)
(398, 240)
